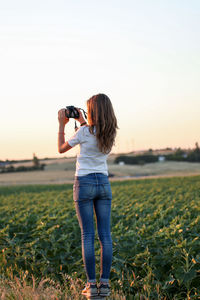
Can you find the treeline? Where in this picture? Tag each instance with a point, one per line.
(7, 161)
(136, 160)
(36, 166)
(178, 155)
(11, 168)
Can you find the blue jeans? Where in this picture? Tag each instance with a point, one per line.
(92, 193)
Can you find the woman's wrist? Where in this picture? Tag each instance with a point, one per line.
(81, 121)
(61, 127)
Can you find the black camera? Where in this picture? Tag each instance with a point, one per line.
(71, 112)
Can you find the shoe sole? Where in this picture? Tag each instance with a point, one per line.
(91, 295)
(104, 293)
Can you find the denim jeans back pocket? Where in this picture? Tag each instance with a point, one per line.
(83, 191)
(106, 192)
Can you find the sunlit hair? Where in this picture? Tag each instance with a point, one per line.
(102, 116)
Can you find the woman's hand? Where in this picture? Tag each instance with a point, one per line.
(61, 117)
(81, 118)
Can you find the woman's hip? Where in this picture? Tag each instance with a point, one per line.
(92, 186)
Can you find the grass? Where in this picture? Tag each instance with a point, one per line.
(45, 288)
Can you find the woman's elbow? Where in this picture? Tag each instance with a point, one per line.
(65, 147)
(60, 151)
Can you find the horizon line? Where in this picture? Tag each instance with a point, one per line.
(112, 153)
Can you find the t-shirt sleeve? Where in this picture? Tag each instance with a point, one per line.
(76, 138)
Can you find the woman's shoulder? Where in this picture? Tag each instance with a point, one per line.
(85, 131)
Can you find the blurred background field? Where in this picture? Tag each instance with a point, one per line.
(62, 170)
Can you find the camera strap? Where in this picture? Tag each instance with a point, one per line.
(85, 115)
(75, 125)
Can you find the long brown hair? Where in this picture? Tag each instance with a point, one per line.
(102, 116)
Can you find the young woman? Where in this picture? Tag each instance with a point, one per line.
(91, 189)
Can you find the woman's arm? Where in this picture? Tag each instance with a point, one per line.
(62, 145)
(63, 120)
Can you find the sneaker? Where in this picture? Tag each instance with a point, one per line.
(104, 289)
(90, 290)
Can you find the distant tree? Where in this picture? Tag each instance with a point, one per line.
(11, 168)
(178, 155)
(197, 149)
(36, 162)
(179, 152)
(194, 155)
(136, 160)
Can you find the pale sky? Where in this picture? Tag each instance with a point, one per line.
(145, 55)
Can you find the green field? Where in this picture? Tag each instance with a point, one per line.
(155, 227)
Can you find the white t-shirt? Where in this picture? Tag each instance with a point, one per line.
(89, 159)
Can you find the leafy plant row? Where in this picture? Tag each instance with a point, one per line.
(155, 226)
